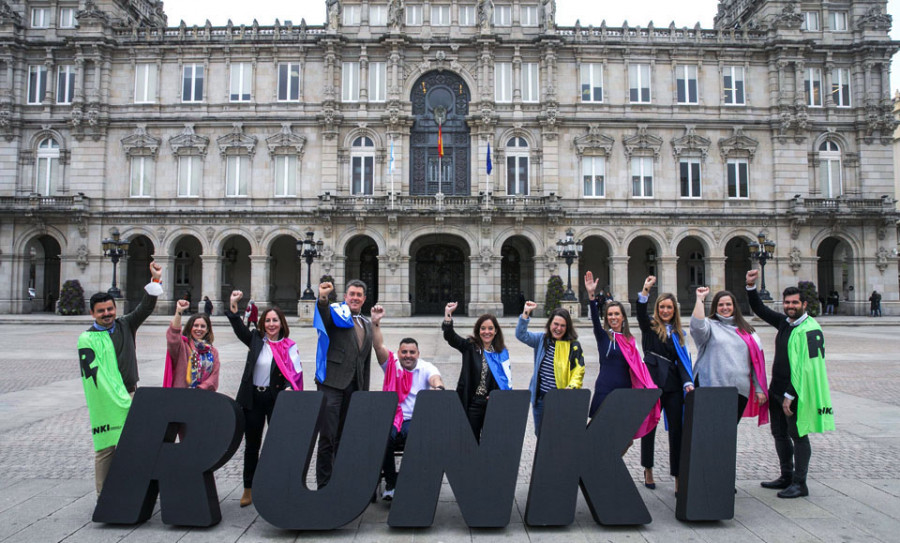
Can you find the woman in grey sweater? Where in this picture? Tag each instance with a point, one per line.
(724, 358)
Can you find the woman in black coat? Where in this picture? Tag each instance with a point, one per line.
(667, 371)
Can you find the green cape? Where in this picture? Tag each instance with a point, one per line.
(806, 352)
(107, 400)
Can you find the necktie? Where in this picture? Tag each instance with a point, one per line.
(360, 330)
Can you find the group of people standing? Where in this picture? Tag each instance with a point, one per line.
(729, 354)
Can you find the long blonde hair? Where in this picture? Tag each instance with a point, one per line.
(659, 326)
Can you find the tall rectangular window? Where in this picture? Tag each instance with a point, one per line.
(141, 176)
(377, 81)
(528, 15)
(503, 81)
(686, 84)
(813, 87)
(237, 175)
(241, 79)
(690, 177)
(285, 175)
(837, 20)
(413, 15)
(40, 17)
(502, 15)
(642, 177)
(363, 174)
(350, 82)
(466, 15)
(639, 83)
(593, 174)
(440, 15)
(840, 87)
(733, 83)
(65, 84)
(37, 84)
(189, 170)
(811, 21)
(289, 82)
(192, 83)
(350, 15)
(145, 83)
(517, 175)
(531, 82)
(377, 15)
(591, 82)
(738, 178)
(67, 17)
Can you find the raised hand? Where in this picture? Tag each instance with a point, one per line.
(155, 271)
(649, 282)
(751, 277)
(529, 308)
(590, 283)
(377, 314)
(325, 289)
(181, 306)
(449, 309)
(702, 293)
(236, 296)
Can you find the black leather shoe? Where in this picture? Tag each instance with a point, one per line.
(780, 483)
(796, 490)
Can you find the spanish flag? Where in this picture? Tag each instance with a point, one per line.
(440, 142)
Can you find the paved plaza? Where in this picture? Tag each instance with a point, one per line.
(47, 477)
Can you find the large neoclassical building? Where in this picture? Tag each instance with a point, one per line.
(665, 149)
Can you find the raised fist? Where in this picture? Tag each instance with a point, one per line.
(181, 306)
(649, 282)
(325, 289)
(377, 314)
(236, 296)
(449, 309)
(751, 277)
(529, 308)
(155, 271)
(702, 292)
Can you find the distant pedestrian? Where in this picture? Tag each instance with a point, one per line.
(207, 306)
(875, 304)
(251, 314)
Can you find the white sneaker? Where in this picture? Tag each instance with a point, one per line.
(388, 495)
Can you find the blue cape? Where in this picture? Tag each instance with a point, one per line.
(340, 315)
(499, 365)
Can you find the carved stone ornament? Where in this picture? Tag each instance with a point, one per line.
(642, 143)
(327, 261)
(82, 257)
(286, 142)
(717, 234)
(91, 14)
(881, 259)
(7, 15)
(620, 235)
(738, 144)
(258, 233)
(795, 261)
(669, 233)
(393, 258)
(594, 142)
(874, 19)
(237, 141)
(161, 232)
(188, 142)
(691, 143)
(487, 257)
(210, 232)
(140, 143)
(788, 19)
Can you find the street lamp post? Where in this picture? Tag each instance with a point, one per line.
(762, 250)
(309, 250)
(569, 249)
(115, 249)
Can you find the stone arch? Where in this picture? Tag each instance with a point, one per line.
(837, 270)
(414, 78)
(439, 272)
(517, 273)
(532, 139)
(659, 243)
(42, 254)
(136, 271)
(187, 268)
(596, 257)
(643, 260)
(269, 239)
(361, 252)
(42, 134)
(172, 238)
(537, 242)
(27, 236)
(836, 137)
(376, 236)
(737, 262)
(235, 249)
(709, 244)
(222, 236)
(377, 139)
(286, 274)
(692, 269)
(425, 230)
(846, 237)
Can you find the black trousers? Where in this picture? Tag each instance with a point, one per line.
(396, 442)
(793, 451)
(330, 426)
(673, 406)
(254, 423)
(475, 413)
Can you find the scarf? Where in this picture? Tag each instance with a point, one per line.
(758, 361)
(107, 400)
(200, 363)
(281, 352)
(342, 318)
(640, 378)
(398, 380)
(499, 365)
(806, 353)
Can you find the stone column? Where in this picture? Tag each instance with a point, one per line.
(667, 272)
(484, 284)
(165, 304)
(619, 280)
(715, 273)
(259, 279)
(212, 281)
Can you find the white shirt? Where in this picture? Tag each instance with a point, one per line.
(420, 376)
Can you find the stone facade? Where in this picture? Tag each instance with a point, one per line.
(666, 150)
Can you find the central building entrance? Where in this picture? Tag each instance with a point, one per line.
(439, 274)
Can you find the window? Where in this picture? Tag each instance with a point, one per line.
(642, 177)
(40, 17)
(67, 17)
(237, 175)
(502, 80)
(141, 176)
(813, 87)
(362, 166)
(413, 15)
(830, 179)
(530, 82)
(690, 177)
(189, 170)
(350, 15)
(686, 84)
(183, 268)
(466, 15)
(350, 82)
(37, 84)
(65, 84)
(738, 178)
(285, 175)
(47, 172)
(377, 15)
(192, 83)
(591, 82)
(145, 84)
(593, 172)
(811, 20)
(639, 83)
(289, 82)
(502, 15)
(733, 83)
(377, 81)
(837, 20)
(840, 87)
(696, 269)
(529, 15)
(241, 78)
(440, 15)
(517, 167)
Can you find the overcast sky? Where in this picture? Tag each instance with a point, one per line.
(636, 12)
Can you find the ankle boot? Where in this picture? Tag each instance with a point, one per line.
(246, 498)
(780, 483)
(796, 490)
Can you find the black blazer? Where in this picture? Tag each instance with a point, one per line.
(660, 356)
(470, 372)
(256, 343)
(345, 359)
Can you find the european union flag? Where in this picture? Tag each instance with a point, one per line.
(489, 165)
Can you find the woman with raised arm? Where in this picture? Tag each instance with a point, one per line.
(558, 357)
(669, 363)
(485, 364)
(729, 353)
(191, 359)
(273, 365)
(620, 362)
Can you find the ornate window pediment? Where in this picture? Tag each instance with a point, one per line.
(594, 142)
(8, 15)
(788, 19)
(237, 142)
(738, 144)
(91, 13)
(140, 143)
(285, 142)
(188, 142)
(642, 143)
(874, 19)
(691, 143)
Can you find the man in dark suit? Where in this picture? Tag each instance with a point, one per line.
(348, 363)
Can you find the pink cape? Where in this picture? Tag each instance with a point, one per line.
(400, 381)
(281, 354)
(640, 378)
(168, 373)
(758, 360)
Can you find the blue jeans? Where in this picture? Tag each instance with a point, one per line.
(396, 442)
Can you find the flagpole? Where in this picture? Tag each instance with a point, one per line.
(392, 172)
